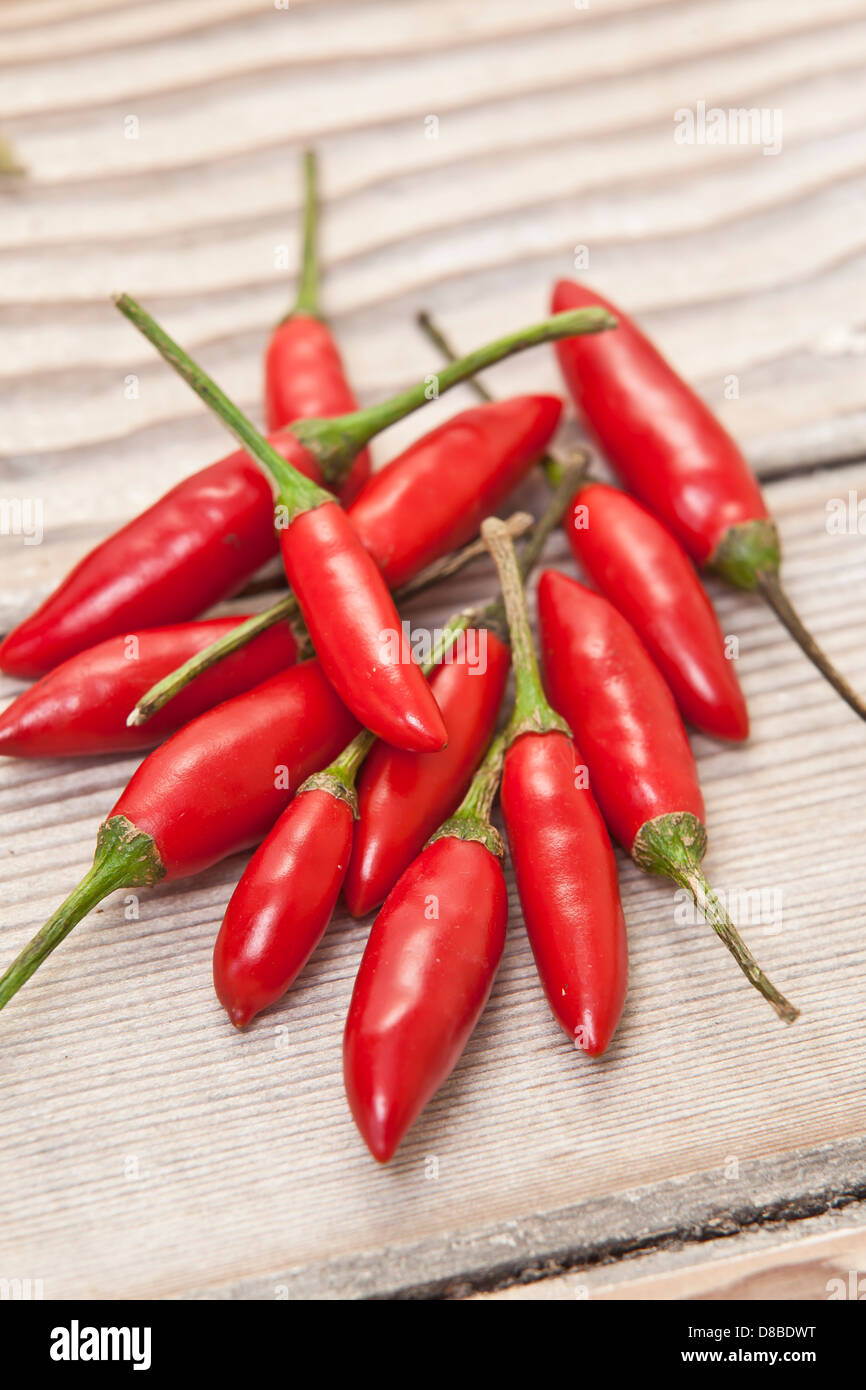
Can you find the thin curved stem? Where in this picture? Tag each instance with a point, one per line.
(771, 590)
(160, 694)
(478, 801)
(298, 493)
(362, 426)
(696, 883)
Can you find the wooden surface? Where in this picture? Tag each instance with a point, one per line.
(145, 1148)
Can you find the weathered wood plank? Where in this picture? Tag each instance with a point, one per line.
(253, 1130)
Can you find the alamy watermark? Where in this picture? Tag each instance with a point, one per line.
(23, 516)
(738, 125)
(748, 907)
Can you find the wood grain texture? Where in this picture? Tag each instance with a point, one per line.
(148, 1150)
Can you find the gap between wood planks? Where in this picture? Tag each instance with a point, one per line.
(725, 1226)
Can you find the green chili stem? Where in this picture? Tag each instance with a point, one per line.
(771, 590)
(552, 465)
(431, 329)
(347, 765)
(296, 492)
(478, 801)
(307, 301)
(160, 694)
(531, 709)
(707, 902)
(356, 430)
(125, 858)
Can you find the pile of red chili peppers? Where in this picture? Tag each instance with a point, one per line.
(313, 731)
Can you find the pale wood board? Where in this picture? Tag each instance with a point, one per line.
(555, 131)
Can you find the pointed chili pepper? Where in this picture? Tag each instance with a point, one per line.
(81, 707)
(362, 648)
(214, 788)
(286, 897)
(427, 970)
(304, 375)
(642, 569)
(196, 545)
(562, 856)
(671, 451)
(641, 769)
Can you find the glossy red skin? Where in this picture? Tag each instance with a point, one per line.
(80, 707)
(422, 986)
(282, 905)
(349, 613)
(197, 544)
(217, 785)
(644, 571)
(305, 379)
(403, 797)
(567, 881)
(433, 497)
(603, 682)
(662, 439)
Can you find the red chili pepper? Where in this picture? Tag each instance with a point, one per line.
(81, 707)
(284, 901)
(304, 374)
(427, 971)
(562, 856)
(403, 797)
(603, 682)
(671, 450)
(642, 569)
(214, 788)
(196, 545)
(434, 496)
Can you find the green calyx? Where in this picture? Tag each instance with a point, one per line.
(747, 553)
(670, 845)
(334, 444)
(471, 828)
(673, 847)
(339, 778)
(334, 786)
(125, 857)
